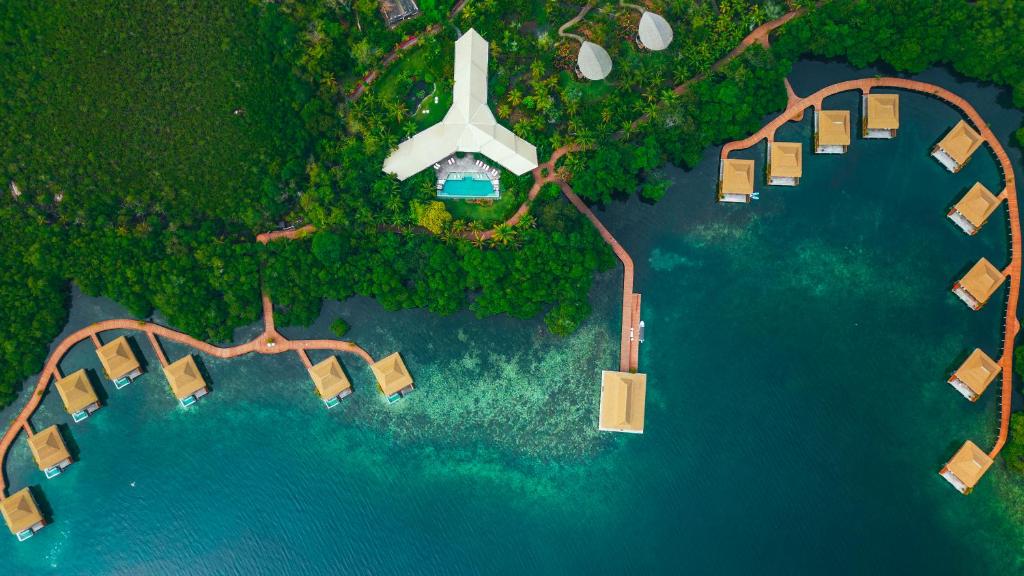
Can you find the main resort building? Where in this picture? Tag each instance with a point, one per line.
(469, 127)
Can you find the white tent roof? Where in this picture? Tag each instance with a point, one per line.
(654, 31)
(469, 125)
(594, 62)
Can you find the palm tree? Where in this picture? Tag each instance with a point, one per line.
(515, 97)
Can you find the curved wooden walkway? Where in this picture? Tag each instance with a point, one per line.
(1011, 324)
(269, 341)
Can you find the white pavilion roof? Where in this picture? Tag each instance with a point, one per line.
(469, 125)
(594, 61)
(655, 32)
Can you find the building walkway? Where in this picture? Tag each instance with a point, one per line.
(1011, 324)
(268, 342)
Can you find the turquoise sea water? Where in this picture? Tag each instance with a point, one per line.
(797, 411)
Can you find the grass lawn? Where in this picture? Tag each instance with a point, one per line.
(493, 214)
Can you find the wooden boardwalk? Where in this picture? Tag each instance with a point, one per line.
(1011, 324)
(630, 301)
(268, 342)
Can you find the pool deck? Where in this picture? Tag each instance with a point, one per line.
(465, 165)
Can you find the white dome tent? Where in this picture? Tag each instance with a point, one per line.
(654, 32)
(593, 61)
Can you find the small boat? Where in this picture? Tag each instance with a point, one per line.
(641, 331)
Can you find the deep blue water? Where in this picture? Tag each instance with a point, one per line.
(797, 350)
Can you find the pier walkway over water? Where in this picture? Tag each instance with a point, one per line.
(270, 341)
(1011, 324)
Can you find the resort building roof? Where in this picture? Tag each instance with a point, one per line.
(76, 391)
(391, 373)
(977, 205)
(961, 142)
(20, 511)
(737, 176)
(969, 464)
(623, 399)
(117, 358)
(48, 448)
(654, 31)
(593, 61)
(834, 128)
(786, 161)
(883, 111)
(328, 377)
(469, 125)
(395, 11)
(977, 372)
(184, 377)
(982, 280)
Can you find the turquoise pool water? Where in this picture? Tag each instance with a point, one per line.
(468, 185)
(797, 350)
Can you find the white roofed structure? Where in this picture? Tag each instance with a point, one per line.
(654, 31)
(469, 125)
(593, 61)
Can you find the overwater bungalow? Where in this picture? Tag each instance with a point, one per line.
(392, 377)
(971, 212)
(831, 131)
(119, 362)
(785, 163)
(48, 449)
(880, 115)
(956, 148)
(735, 180)
(978, 284)
(187, 383)
(79, 397)
(974, 375)
(21, 514)
(330, 381)
(623, 399)
(966, 467)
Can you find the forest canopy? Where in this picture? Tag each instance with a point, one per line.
(144, 144)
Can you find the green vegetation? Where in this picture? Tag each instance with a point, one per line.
(146, 156)
(1013, 453)
(339, 327)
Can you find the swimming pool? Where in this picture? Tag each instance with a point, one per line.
(467, 185)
